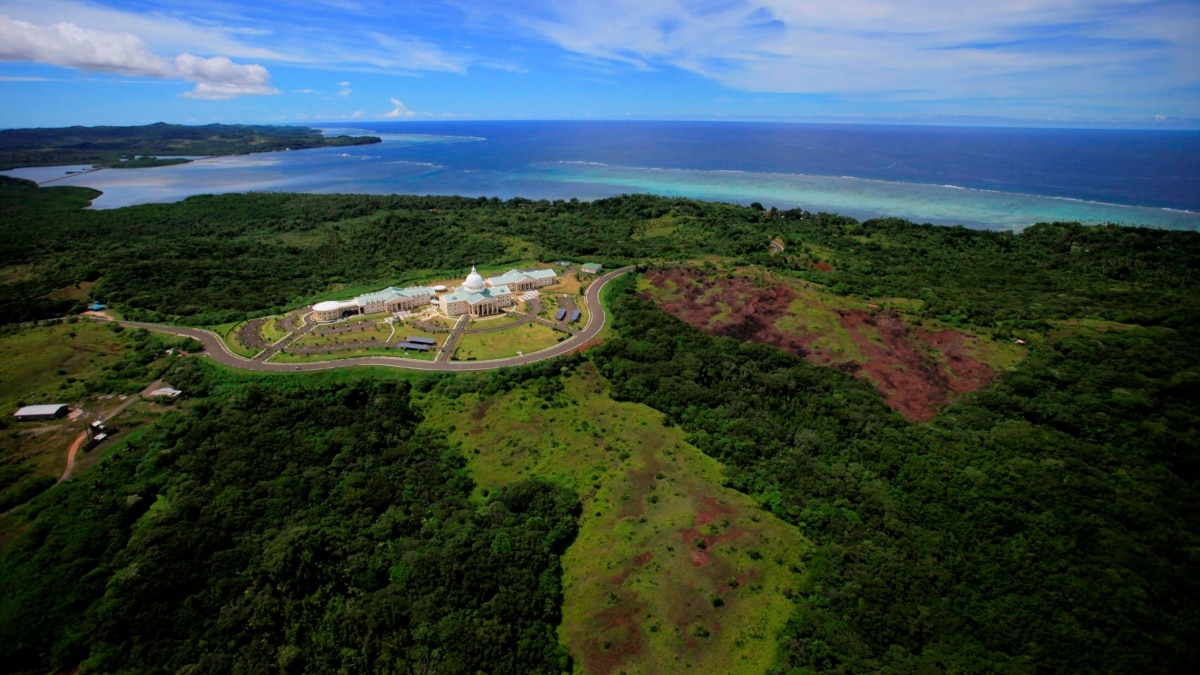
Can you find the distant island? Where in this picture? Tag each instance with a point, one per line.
(139, 147)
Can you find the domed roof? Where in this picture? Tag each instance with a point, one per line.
(474, 282)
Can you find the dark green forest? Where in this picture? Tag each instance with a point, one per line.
(1049, 523)
(109, 145)
(292, 528)
(215, 259)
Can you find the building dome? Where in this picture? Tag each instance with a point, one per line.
(474, 282)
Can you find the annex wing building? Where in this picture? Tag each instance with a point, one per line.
(476, 296)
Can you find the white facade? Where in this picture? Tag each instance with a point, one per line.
(474, 297)
(524, 280)
(388, 300)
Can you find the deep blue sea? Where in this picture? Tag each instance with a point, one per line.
(989, 178)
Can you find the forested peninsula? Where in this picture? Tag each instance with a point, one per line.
(125, 146)
(747, 474)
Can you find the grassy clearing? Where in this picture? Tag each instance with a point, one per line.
(494, 321)
(15, 273)
(285, 357)
(659, 227)
(905, 305)
(48, 364)
(526, 338)
(51, 364)
(370, 327)
(808, 316)
(74, 292)
(409, 329)
(571, 284)
(670, 570)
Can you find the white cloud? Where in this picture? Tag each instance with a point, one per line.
(262, 32)
(72, 46)
(160, 31)
(916, 49)
(406, 53)
(400, 110)
(358, 113)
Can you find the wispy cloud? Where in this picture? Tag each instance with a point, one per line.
(356, 36)
(915, 48)
(71, 46)
(409, 53)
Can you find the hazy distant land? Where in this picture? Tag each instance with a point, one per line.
(137, 147)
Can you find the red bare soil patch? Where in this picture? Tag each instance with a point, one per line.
(905, 365)
(824, 267)
(619, 640)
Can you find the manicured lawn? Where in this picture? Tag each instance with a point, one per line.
(229, 333)
(284, 357)
(526, 338)
(271, 330)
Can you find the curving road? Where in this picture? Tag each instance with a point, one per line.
(216, 348)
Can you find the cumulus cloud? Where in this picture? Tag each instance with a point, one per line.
(399, 109)
(72, 46)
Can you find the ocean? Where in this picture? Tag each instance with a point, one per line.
(1006, 178)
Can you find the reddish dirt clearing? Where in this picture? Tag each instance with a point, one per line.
(916, 372)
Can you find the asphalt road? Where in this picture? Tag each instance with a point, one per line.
(216, 349)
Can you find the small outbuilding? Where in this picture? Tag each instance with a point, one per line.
(49, 411)
(592, 268)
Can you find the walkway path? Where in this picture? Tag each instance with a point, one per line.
(219, 351)
(451, 342)
(287, 340)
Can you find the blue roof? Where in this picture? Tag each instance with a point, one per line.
(575, 315)
(561, 314)
(413, 345)
(421, 340)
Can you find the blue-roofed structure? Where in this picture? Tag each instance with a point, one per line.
(421, 340)
(413, 345)
(561, 313)
(575, 315)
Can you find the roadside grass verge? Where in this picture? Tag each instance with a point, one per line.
(526, 338)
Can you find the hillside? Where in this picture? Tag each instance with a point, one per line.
(834, 457)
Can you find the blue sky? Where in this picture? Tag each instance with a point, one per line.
(1131, 63)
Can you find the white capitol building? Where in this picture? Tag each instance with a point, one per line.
(476, 296)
